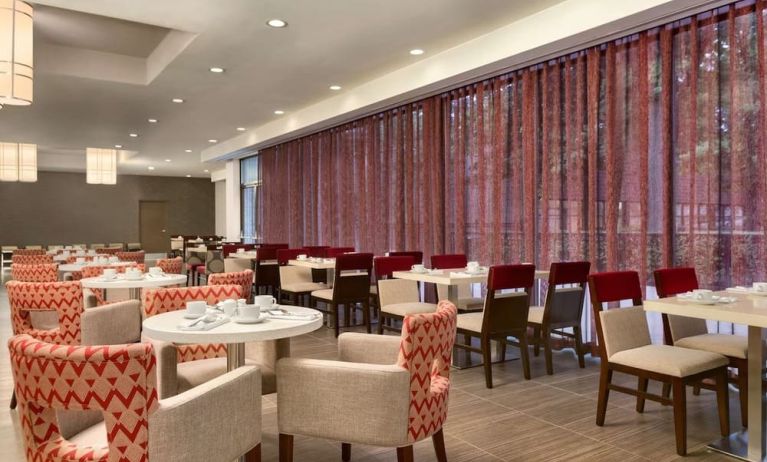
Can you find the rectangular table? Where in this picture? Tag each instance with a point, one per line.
(750, 310)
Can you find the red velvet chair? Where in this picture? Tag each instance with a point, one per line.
(333, 252)
(416, 254)
(351, 286)
(397, 298)
(267, 270)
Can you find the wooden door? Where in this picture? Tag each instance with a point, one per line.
(152, 226)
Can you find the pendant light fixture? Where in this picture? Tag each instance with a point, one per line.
(16, 64)
(18, 162)
(100, 166)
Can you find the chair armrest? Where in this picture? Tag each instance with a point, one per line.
(368, 348)
(349, 402)
(218, 420)
(112, 324)
(167, 366)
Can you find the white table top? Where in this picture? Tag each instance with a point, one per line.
(750, 310)
(165, 327)
(314, 265)
(121, 283)
(80, 266)
(243, 255)
(446, 279)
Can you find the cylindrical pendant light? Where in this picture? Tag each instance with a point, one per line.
(100, 166)
(18, 162)
(16, 64)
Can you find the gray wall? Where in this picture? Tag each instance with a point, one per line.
(60, 208)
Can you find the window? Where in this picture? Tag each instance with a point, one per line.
(250, 195)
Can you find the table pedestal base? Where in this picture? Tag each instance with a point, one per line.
(735, 445)
(235, 356)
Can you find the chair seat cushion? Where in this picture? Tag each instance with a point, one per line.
(669, 360)
(470, 321)
(94, 436)
(194, 373)
(404, 309)
(325, 294)
(735, 346)
(535, 315)
(303, 287)
(470, 304)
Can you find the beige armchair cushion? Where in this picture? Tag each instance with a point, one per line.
(404, 309)
(723, 344)
(324, 294)
(669, 360)
(470, 321)
(367, 348)
(350, 402)
(112, 324)
(235, 265)
(397, 291)
(535, 315)
(294, 275)
(624, 329)
(682, 327)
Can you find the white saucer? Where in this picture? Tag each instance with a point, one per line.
(193, 316)
(261, 317)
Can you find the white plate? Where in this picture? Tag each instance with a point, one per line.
(240, 320)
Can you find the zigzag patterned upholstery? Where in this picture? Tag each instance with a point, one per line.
(48, 272)
(73, 258)
(108, 250)
(118, 380)
(66, 298)
(28, 252)
(137, 257)
(31, 259)
(158, 301)
(171, 265)
(240, 278)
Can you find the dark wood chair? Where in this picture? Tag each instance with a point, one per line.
(398, 298)
(295, 281)
(625, 346)
(693, 333)
(416, 254)
(504, 315)
(351, 286)
(267, 270)
(317, 251)
(563, 309)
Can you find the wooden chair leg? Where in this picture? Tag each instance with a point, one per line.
(605, 378)
(537, 341)
(366, 316)
(546, 336)
(346, 452)
(486, 362)
(13, 399)
(641, 388)
(334, 313)
(743, 393)
(439, 445)
(286, 448)
(723, 402)
(696, 389)
(579, 347)
(404, 454)
(666, 392)
(254, 455)
(680, 415)
(381, 320)
(525, 354)
(347, 315)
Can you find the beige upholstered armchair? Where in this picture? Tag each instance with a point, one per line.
(385, 391)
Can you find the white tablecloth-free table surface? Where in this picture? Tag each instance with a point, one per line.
(135, 285)
(326, 265)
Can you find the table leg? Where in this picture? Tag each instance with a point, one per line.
(235, 356)
(134, 293)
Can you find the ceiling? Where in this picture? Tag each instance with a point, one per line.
(103, 67)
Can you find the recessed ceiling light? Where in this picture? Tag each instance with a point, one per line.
(118, 146)
(189, 176)
(335, 87)
(217, 70)
(277, 23)
(240, 129)
(167, 160)
(133, 135)
(152, 121)
(279, 112)
(150, 168)
(416, 51)
(187, 150)
(212, 141)
(177, 100)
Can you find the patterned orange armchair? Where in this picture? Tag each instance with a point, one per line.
(33, 259)
(240, 278)
(120, 381)
(182, 367)
(46, 272)
(171, 265)
(411, 374)
(137, 257)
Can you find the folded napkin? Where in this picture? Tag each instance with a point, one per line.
(293, 316)
(435, 271)
(460, 274)
(202, 325)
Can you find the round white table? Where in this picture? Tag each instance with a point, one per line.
(135, 285)
(69, 267)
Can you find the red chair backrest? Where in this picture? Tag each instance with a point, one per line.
(615, 286)
(448, 261)
(385, 266)
(503, 277)
(333, 252)
(416, 254)
(264, 254)
(317, 251)
(569, 272)
(672, 281)
(274, 246)
(283, 255)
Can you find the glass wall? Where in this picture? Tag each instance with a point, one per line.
(250, 193)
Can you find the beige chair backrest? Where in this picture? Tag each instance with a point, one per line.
(624, 329)
(392, 291)
(682, 327)
(294, 274)
(235, 265)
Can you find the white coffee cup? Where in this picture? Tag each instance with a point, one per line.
(302, 256)
(109, 273)
(196, 307)
(472, 265)
(249, 311)
(229, 307)
(155, 270)
(703, 294)
(265, 301)
(418, 268)
(241, 302)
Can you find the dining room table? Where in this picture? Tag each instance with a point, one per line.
(327, 264)
(134, 286)
(749, 308)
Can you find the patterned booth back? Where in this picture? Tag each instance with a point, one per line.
(48, 272)
(240, 278)
(28, 252)
(36, 259)
(73, 258)
(137, 257)
(425, 351)
(108, 250)
(118, 380)
(171, 265)
(158, 301)
(66, 298)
